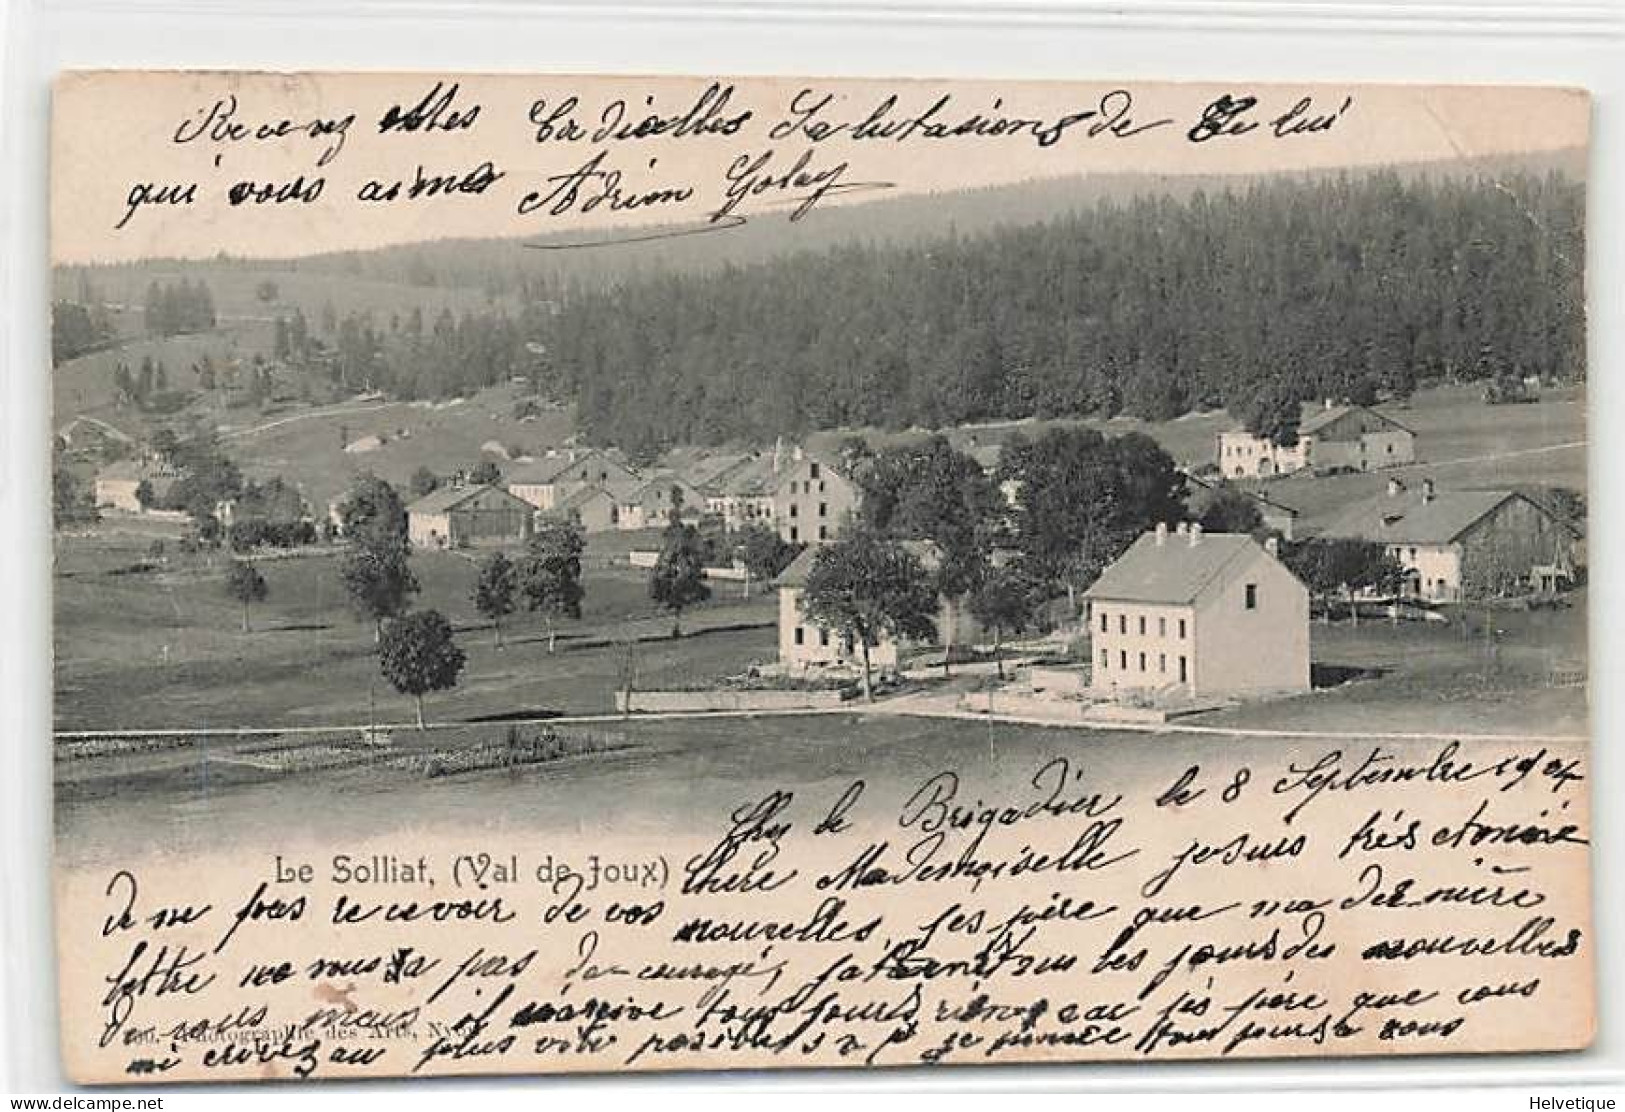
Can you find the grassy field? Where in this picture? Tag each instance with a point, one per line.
(140, 646)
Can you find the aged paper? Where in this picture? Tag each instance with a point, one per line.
(625, 573)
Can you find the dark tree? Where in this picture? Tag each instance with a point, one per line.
(678, 579)
(424, 482)
(1006, 602)
(1274, 412)
(245, 584)
(418, 655)
(495, 590)
(865, 588)
(1228, 509)
(373, 515)
(379, 582)
(550, 572)
(763, 552)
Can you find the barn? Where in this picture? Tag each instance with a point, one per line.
(463, 517)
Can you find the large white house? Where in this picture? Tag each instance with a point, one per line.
(812, 499)
(1333, 437)
(1185, 613)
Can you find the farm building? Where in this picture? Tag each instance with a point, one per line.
(1186, 614)
(1333, 437)
(545, 482)
(1457, 545)
(812, 499)
(117, 484)
(461, 517)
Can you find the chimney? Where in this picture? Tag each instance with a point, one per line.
(1196, 533)
(1427, 491)
(1395, 488)
(1162, 533)
(1272, 545)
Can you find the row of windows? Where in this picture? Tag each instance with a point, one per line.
(1144, 662)
(1122, 625)
(823, 636)
(795, 509)
(806, 488)
(795, 533)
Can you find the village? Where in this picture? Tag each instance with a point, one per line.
(909, 574)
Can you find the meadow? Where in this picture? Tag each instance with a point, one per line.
(151, 643)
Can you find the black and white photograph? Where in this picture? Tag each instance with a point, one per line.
(563, 574)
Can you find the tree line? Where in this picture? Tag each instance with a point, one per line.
(1352, 288)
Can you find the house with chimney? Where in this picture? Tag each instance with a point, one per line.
(1184, 614)
(812, 498)
(1461, 545)
(1330, 438)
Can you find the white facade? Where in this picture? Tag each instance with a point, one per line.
(1185, 615)
(803, 645)
(812, 501)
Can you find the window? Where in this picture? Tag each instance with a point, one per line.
(823, 533)
(823, 509)
(1181, 629)
(1142, 625)
(1162, 663)
(813, 470)
(795, 534)
(1104, 623)
(1105, 659)
(820, 486)
(1123, 659)
(795, 509)
(823, 637)
(792, 486)
(1142, 662)
(1162, 627)
(801, 635)
(1122, 624)
(1181, 669)
(1252, 596)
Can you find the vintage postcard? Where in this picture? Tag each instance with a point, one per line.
(691, 573)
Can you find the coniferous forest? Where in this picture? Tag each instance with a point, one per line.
(1354, 288)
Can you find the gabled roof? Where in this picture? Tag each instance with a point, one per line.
(582, 496)
(543, 471)
(1173, 572)
(446, 498)
(1328, 415)
(796, 574)
(1413, 517)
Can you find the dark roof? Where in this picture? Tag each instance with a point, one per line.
(582, 496)
(1174, 571)
(447, 498)
(796, 574)
(1412, 517)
